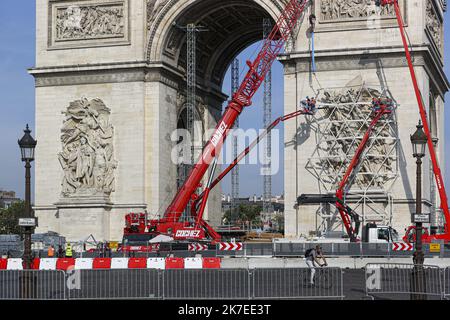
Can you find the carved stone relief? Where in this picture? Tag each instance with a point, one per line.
(87, 156)
(434, 25)
(88, 23)
(340, 127)
(336, 10)
(154, 7)
(85, 22)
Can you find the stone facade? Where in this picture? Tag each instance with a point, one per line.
(127, 58)
(352, 40)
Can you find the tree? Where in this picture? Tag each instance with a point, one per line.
(9, 218)
(250, 213)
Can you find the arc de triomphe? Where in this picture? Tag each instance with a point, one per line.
(110, 91)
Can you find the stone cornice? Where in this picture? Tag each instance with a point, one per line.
(138, 71)
(106, 73)
(366, 58)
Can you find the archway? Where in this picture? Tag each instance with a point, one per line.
(232, 26)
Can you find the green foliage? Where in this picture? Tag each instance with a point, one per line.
(250, 213)
(9, 218)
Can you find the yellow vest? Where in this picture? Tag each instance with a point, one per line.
(69, 251)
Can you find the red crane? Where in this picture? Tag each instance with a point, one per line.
(350, 218)
(171, 222)
(423, 115)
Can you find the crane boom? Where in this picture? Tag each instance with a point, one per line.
(347, 215)
(423, 115)
(272, 46)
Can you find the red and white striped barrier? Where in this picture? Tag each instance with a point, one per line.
(113, 263)
(230, 246)
(197, 247)
(401, 246)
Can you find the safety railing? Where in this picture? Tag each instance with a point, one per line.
(447, 283)
(316, 283)
(32, 285)
(403, 281)
(184, 284)
(216, 284)
(297, 249)
(114, 284)
(287, 249)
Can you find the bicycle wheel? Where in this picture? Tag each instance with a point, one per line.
(323, 279)
(305, 278)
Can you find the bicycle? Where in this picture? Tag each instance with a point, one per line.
(322, 278)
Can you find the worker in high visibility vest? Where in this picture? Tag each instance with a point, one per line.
(68, 250)
(51, 251)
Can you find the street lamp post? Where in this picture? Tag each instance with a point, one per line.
(27, 145)
(419, 142)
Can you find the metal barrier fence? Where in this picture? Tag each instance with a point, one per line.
(401, 281)
(114, 284)
(32, 285)
(296, 249)
(296, 284)
(284, 249)
(447, 283)
(206, 284)
(216, 284)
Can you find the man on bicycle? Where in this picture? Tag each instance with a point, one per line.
(313, 258)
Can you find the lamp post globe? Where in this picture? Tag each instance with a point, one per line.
(419, 142)
(27, 145)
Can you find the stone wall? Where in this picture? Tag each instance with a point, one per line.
(358, 43)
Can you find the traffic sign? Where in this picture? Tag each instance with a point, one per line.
(230, 246)
(27, 222)
(401, 246)
(197, 247)
(435, 247)
(422, 218)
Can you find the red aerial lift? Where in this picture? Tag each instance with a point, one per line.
(410, 234)
(350, 219)
(171, 223)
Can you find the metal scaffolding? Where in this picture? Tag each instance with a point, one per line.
(191, 79)
(339, 125)
(235, 171)
(267, 166)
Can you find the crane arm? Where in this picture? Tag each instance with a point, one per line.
(272, 46)
(346, 213)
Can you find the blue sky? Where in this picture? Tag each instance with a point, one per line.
(17, 54)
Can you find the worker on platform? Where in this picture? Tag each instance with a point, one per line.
(305, 103)
(312, 105)
(51, 251)
(313, 259)
(376, 104)
(69, 252)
